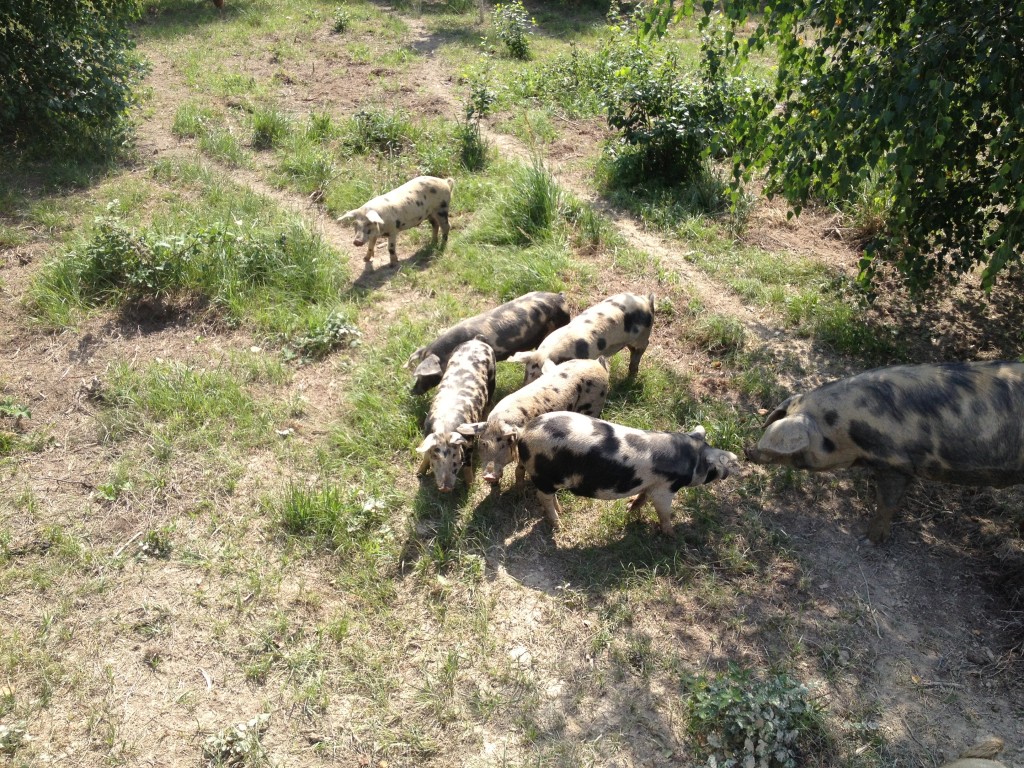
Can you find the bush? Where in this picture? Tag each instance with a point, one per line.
(744, 721)
(670, 121)
(511, 23)
(67, 73)
(342, 20)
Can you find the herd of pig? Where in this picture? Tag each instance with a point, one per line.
(960, 423)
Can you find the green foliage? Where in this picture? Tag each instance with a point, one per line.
(269, 128)
(917, 93)
(67, 73)
(526, 210)
(332, 333)
(342, 20)
(511, 24)
(473, 150)
(743, 721)
(13, 409)
(239, 266)
(378, 130)
(671, 121)
(343, 519)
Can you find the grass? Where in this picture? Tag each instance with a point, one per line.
(247, 502)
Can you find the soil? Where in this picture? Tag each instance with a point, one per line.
(919, 640)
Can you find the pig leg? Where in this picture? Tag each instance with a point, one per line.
(636, 503)
(635, 353)
(424, 464)
(445, 226)
(393, 249)
(467, 473)
(370, 245)
(889, 487)
(435, 223)
(662, 501)
(549, 503)
(520, 474)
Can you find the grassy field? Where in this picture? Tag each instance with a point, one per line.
(213, 546)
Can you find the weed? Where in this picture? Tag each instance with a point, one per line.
(527, 209)
(741, 720)
(718, 335)
(341, 20)
(388, 133)
(511, 23)
(156, 543)
(238, 745)
(11, 408)
(269, 128)
(473, 148)
(334, 332)
(341, 518)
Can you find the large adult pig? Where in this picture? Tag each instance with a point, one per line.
(423, 198)
(576, 385)
(622, 320)
(959, 423)
(601, 460)
(515, 325)
(465, 390)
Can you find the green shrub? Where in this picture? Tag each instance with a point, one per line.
(323, 337)
(269, 128)
(67, 72)
(342, 20)
(741, 720)
(472, 146)
(388, 133)
(670, 121)
(511, 23)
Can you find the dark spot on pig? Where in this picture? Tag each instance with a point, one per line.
(419, 202)
(831, 417)
(563, 375)
(870, 440)
(398, 223)
(601, 344)
(828, 445)
(582, 349)
(637, 320)
(524, 452)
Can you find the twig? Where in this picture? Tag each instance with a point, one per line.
(123, 546)
(82, 483)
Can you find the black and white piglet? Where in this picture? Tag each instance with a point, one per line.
(601, 460)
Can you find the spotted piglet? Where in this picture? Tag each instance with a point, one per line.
(576, 385)
(600, 460)
(423, 198)
(465, 390)
(511, 327)
(622, 320)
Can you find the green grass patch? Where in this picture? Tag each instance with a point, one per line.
(232, 250)
(199, 407)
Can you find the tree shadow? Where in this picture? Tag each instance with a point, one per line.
(170, 19)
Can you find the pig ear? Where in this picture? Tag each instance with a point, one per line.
(374, 218)
(431, 366)
(456, 438)
(428, 442)
(521, 357)
(347, 215)
(788, 436)
(512, 433)
(604, 362)
(650, 298)
(700, 432)
(548, 367)
(415, 357)
(779, 413)
(472, 429)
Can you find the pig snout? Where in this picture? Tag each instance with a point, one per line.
(491, 476)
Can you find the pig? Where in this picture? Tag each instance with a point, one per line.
(466, 389)
(576, 385)
(405, 207)
(514, 326)
(981, 755)
(960, 423)
(622, 320)
(601, 460)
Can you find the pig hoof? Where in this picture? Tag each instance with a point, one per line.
(669, 531)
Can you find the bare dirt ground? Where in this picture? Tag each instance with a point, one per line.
(918, 641)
